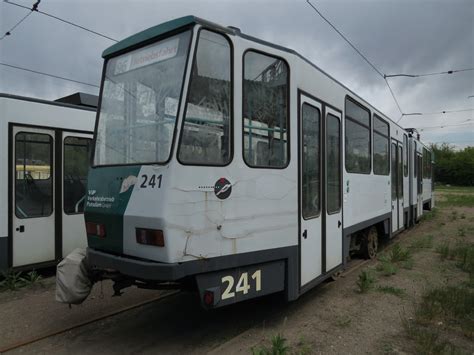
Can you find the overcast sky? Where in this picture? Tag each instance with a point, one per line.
(398, 36)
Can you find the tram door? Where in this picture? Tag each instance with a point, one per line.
(419, 181)
(76, 150)
(333, 164)
(394, 184)
(397, 185)
(33, 220)
(320, 189)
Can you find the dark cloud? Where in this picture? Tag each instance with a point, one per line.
(397, 35)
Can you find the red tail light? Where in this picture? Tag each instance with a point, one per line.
(150, 237)
(208, 298)
(96, 229)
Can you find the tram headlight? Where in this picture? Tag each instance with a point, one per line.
(150, 237)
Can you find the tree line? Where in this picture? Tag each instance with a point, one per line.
(451, 166)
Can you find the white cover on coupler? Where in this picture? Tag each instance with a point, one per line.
(73, 284)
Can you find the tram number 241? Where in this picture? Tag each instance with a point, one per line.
(243, 285)
(152, 181)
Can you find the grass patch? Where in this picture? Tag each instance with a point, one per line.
(462, 253)
(429, 215)
(443, 250)
(444, 188)
(460, 200)
(365, 281)
(427, 341)
(278, 347)
(453, 304)
(425, 242)
(391, 290)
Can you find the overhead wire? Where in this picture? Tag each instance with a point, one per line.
(33, 8)
(378, 71)
(48, 74)
(385, 76)
(466, 123)
(428, 74)
(438, 112)
(63, 20)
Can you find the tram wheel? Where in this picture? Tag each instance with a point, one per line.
(370, 243)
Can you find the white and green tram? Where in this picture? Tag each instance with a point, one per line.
(235, 166)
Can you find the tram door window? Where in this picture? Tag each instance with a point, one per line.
(76, 165)
(33, 180)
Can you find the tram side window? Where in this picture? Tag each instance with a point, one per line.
(34, 177)
(415, 162)
(405, 156)
(381, 144)
(400, 172)
(394, 171)
(310, 119)
(357, 138)
(265, 111)
(206, 132)
(333, 137)
(76, 165)
(426, 164)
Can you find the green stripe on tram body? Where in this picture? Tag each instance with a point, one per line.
(108, 193)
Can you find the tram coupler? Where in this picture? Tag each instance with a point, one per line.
(119, 285)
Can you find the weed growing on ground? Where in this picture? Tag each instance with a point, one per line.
(453, 216)
(386, 266)
(407, 264)
(399, 292)
(365, 281)
(425, 242)
(461, 232)
(303, 347)
(398, 254)
(427, 216)
(11, 280)
(443, 250)
(463, 216)
(464, 255)
(343, 321)
(278, 347)
(32, 278)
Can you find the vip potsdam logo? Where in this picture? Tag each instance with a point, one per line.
(222, 188)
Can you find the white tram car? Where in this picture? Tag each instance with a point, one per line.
(236, 166)
(44, 160)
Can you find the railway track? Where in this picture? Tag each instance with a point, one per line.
(353, 266)
(35, 339)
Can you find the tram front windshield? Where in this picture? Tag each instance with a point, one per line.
(139, 103)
